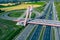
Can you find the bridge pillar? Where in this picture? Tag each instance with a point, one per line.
(28, 14)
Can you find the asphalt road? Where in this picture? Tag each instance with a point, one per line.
(36, 33)
(24, 34)
(6, 17)
(47, 32)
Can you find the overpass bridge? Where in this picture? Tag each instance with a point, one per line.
(28, 20)
(45, 22)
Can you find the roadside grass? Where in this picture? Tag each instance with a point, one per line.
(33, 15)
(40, 9)
(16, 13)
(57, 4)
(8, 29)
(53, 33)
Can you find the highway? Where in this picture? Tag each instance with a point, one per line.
(47, 33)
(25, 32)
(21, 37)
(36, 33)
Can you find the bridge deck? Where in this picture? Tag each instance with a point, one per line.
(45, 22)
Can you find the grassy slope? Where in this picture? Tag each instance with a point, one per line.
(8, 28)
(57, 4)
(16, 13)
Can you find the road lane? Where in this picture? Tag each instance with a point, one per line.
(36, 33)
(47, 33)
(24, 34)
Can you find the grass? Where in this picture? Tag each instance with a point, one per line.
(40, 9)
(8, 29)
(16, 13)
(57, 4)
(33, 15)
(22, 6)
(2, 6)
(53, 33)
(38, 3)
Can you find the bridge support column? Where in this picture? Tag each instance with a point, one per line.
(28, 14)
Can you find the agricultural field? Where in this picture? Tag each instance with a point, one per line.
(5, 5)
(22, 6)
(18, 14)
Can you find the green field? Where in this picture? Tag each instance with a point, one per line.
(57, 4)
(8, 29)
(2, 6)
(9, 5)
(16, 13)
(5, 5)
